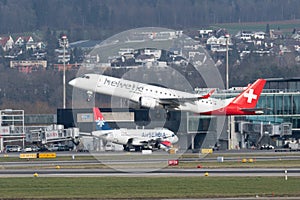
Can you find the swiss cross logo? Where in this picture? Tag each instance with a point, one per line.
(250, 95)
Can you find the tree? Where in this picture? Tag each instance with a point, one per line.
(268, 30)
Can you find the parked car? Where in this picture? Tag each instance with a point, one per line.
(28, 149)
(52, 148)
(35, 148)
(266, 147)
(32, 148)
(12, 148)
(63, 148)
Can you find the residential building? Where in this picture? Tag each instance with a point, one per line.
(6, 43)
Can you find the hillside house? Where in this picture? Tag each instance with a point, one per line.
(6, 43)
(23, 40)
(276, 34)
(29, 43)
(28, 66)
(205, 33)
(145, 58)
(296, 36)
(246, 35)
(259, 35)
(218, 44)
(155, 52)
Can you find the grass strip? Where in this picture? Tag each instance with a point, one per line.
(147, 187)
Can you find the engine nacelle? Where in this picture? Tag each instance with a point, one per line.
(134, 105)
(149, 102)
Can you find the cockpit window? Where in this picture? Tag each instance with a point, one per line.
(85, 76)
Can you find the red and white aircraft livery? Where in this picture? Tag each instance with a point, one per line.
(134, 139)
(151, 96)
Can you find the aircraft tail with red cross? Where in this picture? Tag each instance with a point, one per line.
(245, 102)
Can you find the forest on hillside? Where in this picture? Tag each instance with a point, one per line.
(41, 91)
(97, 19)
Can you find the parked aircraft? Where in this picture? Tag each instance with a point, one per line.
(152, 96)
(134, 139)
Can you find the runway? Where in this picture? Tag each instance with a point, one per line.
(150, 172)
(136, 164)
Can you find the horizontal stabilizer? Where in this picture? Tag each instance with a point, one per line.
(100, 133)
(85, 134)
(258, 111)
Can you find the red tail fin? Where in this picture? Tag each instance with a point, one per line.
(249, 98)
(99, 119)
(97, 114)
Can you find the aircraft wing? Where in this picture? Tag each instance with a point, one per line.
(101, 133)
(175, 102)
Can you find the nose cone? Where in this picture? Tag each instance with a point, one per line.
(172, 137)
(72, 82)
(175, 139)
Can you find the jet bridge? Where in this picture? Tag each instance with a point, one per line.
(11, 127)
(254, 133)
(53, 133)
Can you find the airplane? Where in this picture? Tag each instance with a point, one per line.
(153, 96)
(134, 139)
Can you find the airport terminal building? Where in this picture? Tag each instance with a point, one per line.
(279, 123)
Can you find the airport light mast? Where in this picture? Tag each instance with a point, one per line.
(227, 65)
(64, 40)
(229, 118)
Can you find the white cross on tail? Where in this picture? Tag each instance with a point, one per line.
(250, 96)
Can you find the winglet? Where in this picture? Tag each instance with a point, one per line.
(208, 94)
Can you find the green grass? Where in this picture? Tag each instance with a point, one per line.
(150, 187)
(235, 164)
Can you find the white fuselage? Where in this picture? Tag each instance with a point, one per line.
(134, 91)
(137, 136)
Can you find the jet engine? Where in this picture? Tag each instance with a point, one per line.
(165, 145)
(149, 102)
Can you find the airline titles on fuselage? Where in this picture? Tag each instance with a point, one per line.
(154, 135)
(124, 85)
